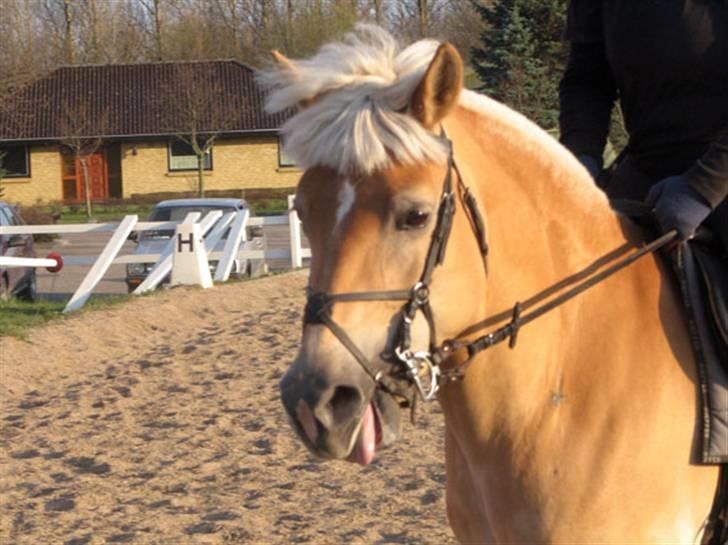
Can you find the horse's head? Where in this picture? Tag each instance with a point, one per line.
(374, 202)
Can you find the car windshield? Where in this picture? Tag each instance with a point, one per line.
(178, 213)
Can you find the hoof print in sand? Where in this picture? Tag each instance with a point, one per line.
(203, 528)
(84, 464)
(85, 540)
(25, 454)
(60, 504)
(121, 538)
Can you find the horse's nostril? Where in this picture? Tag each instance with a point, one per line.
(345, 403)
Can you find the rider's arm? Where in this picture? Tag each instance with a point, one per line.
(588, 88)
(709, 175)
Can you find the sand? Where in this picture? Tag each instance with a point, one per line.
(158, 422)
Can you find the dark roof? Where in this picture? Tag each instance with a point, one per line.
(137, 100)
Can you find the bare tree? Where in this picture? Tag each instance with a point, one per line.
(231, 14)
(416, 19)
(94, 47)
(423, 17)
(46, 33)
(19, 46)
(289, 26)
(68, 49)
(83, 130)
(153, 10)
(378, 13)
(57, 29)
(197, 108)
(110, 32)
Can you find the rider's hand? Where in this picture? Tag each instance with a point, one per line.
(678, 206)
(592, 165)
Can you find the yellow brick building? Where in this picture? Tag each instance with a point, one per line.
(126, 133)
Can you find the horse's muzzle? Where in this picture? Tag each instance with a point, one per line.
(339, 420)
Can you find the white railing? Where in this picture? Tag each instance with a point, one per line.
(212, 227)
(50, 262)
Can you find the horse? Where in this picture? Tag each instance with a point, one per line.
(430, 209)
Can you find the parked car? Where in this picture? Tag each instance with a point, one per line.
(15, 281)
(154, 242)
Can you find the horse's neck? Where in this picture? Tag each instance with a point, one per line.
(546, 222)
(530, 185)
(545, 217)
(586, 382)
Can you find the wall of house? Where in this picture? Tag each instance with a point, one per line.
(44, 183)
(236, 164)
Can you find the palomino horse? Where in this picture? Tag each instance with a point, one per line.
(584, 432)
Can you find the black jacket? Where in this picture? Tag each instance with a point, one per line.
(667, 62)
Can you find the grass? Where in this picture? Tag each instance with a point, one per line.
(103, 213)
(269, 207)
(18, 317)
(108, 213)
(263, 203)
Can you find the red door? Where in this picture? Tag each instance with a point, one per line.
(97, 179)
(74, 188)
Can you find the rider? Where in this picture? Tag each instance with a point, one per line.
(667, 62)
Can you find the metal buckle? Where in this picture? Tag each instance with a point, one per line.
(422, 370)
(420, 293)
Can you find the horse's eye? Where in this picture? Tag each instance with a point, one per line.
(414, 219)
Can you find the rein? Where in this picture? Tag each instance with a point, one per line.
(422, 369)
(518, 320)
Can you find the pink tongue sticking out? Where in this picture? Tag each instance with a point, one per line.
(365, 446)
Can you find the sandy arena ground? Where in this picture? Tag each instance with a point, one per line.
(158, 422)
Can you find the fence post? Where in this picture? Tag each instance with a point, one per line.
(102, 264)
(216, 233)
(294, 226)
(230, 252)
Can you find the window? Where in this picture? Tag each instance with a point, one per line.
(70, 180)
(284, 160)
(14, 161)
(183, 157)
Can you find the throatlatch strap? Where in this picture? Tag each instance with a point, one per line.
(476, 217)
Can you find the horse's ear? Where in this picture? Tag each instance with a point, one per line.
(285, 64)
(439, 90)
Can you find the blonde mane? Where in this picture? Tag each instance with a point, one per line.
(359, 120)
(359, 123)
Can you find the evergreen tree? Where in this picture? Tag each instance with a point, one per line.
(522, 55)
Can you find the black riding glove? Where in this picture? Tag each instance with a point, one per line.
(678, 206)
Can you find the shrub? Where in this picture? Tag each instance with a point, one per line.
(40, 215)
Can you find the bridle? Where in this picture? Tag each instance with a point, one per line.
(422, 369)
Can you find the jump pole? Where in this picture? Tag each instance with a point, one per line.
(53, 262)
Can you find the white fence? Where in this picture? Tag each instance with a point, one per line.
(212, 227)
